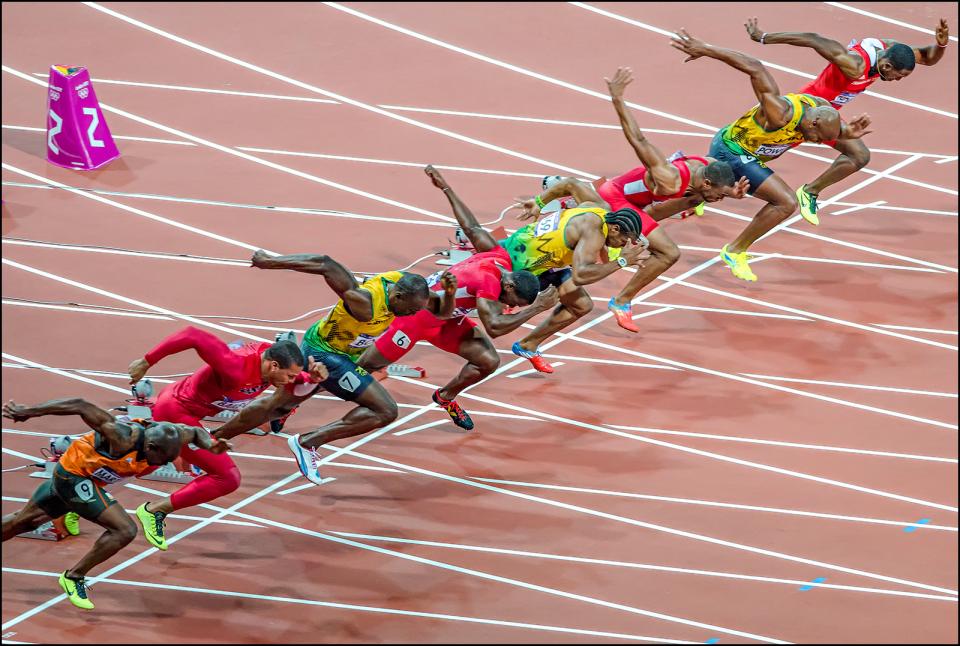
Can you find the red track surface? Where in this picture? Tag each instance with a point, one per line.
(430, 493)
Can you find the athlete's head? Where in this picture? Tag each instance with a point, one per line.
(161, 443)
(281, 363)
(896, 62)
(622, 226)
(819, 124)
(718, 181)
(409, 295)
(519, 288)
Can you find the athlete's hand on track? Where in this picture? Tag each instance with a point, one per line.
(943, 33)
(449, 283)
(436, 177)
(620, 81)
(318, 371)
(752, 29)
(259, 256)
(689, 45)
(530, 210)
(739, 190)
(547, 299)
(857, 127)
(220, 445)
(634, 253)
(14, 411)
(138, 368)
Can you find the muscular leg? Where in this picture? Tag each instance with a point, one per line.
(575, 303)
(376, 408)
(482, 361)
(781, 203)
(121, 530)
(663, 254)
(26, 519)
(854, 155)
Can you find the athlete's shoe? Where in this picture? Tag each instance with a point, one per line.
(457, 414)
(152, 523)
(308, 460)
(534, 356)
(76, 591)
(737, 262)
(623, 314)
(808, 205)
(71, 522)
(276, 425)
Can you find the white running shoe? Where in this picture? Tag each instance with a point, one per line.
(307, 459)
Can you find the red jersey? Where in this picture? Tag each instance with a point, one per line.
(835, 87)
(230, 379)
(635, 191)
(477, 277)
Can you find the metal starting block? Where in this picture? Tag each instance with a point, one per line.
(47, 472)
(400, 370)
(170, 473)
(52, 530)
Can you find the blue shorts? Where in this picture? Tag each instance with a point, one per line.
(743, 165)
(347, 380)
(555, 277)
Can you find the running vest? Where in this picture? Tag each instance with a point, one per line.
(340, 332)
(83, 459)
(746, 137)
(542, 245)
(834, 86)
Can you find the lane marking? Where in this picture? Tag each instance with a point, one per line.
(846, 7)
(858, 207)
(813, 584)
(523, 373)
(439, 422)
(917, 329)
(923, 522)
(841, 384)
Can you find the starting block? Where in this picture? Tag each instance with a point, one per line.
(400, 370)
(50, 531)
(170, 473)
(77, 133)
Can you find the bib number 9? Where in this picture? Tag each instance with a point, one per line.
(85, 490)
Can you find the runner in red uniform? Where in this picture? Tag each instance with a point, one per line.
(230, 380)
(487, 283)
(851, 71)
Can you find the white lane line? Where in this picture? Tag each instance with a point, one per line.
(246, 156)
(438, 422)
(583, 90)
(634, 565)
(124, 252)
(917, 329)
(152, 140)
(846, 7)
(66, 308)
(859, 207)
(782, 68)
(710, 503)
(612, 362)
(327, 93)
(841, 384)
(306, 486)
(718, 310)
(946, 160)
(370, 609)
(523, 373)
(795, 445)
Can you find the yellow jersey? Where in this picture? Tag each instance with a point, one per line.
(339, 332)
(543, 245)
(747, 137)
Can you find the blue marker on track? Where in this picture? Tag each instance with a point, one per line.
(819, 579)
(712, 640)
(916, 525)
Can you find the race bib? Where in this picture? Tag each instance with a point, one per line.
(363, 341)
(772, 151)
(231, 404)
(107, 475)
(433, 279)
(548, 224)
(845, 97)
(85, 490)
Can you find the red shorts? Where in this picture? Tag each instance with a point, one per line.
(405, 331)
(616, 199)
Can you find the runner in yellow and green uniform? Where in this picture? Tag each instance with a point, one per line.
(762, 134)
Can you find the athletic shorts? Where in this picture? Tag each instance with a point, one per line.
(406, 331)
(743, 165)
(617, 200)
(347, 380)
(555, 277)
(67, 491)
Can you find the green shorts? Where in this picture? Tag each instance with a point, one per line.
(67, 491)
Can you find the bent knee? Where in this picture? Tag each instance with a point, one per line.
(386, 413)
(580, 307)
(229, 480)
(670, 255)
(487, 362)
(125, 534)
(861, 157)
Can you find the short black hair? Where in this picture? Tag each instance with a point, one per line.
(627, 219)
(413, 285)
(286, 353)
(719, 173)
(901, 57)
(526, 284)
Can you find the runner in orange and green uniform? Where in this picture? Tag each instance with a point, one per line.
(762, 134)
(113, 451)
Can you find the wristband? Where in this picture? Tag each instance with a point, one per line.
(762, 37)
(539, 201)
(942, 46)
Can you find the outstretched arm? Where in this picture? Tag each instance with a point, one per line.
(212, 350)
(199, 437)
(478, 236)
(583, 192)
(358, 301)
(496, 323)
(662, 177)
(849, 63)
(931, 54)
(265, 409)
(774, 108)
(93, 416)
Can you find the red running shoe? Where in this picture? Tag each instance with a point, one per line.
(459, 416)
(534, 356)
(624, 315)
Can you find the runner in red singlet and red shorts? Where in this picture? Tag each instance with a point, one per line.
(487, 283)
(659, 188)
(230, 380)
(851, 71)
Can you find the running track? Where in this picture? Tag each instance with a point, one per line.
(680, 486)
